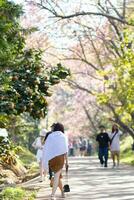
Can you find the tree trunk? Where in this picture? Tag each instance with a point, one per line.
(16, 167)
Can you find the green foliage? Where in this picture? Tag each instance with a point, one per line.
(7, 151)
(13, 193)
(127, 155)
(24, 81)
(4, 146)
(16, 194)
(34, 168)
(28, 160)
(32, 196)
(131, 21)
(26, 156)
(11, 41)
(10, 152)
(103, 98)
(119, 90)
(28, 86)
(22, 130)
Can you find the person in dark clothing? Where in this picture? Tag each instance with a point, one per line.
(89, 148)
(104, 142)
(50, 171)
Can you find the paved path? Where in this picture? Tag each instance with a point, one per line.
(90, 181)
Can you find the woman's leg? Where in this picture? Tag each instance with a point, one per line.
(50, 173)
(113, 158)
(118, 159)
(52, 182)
(60, 186)
(84, 153)
(56, 182)
(41, 170)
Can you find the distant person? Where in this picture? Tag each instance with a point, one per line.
(55, 156)
(89, 148)
(76, 147)
(115, 144)
(38, 144)
(83, 146)
(71, 148)
(103, 141)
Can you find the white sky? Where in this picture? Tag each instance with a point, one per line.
(59, 36)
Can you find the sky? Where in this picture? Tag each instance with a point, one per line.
(62, 35)
(57, 32)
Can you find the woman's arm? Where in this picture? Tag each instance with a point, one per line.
(37, 144)
(34, 144)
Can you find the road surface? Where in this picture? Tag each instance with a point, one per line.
(88, 180)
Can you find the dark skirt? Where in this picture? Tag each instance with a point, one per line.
(82, 148)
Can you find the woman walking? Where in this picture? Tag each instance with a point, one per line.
(38, 144)
(55, 156)
(115, 144)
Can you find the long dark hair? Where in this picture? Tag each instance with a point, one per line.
(115, 128)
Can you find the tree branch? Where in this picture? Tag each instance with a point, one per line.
(77, 14)
(90, 118)
(83, 60)
(76, 85)
(124, 8)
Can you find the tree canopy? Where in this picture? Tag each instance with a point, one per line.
(25, 81)
(101, 59)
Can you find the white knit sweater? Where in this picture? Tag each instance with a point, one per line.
(55, 145)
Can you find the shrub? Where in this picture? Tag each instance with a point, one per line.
(12, 194)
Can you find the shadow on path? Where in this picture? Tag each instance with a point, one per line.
(89, 181)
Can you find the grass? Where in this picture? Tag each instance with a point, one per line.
(127, 155)
(28, 159)
(10, 193)
(26, 156)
